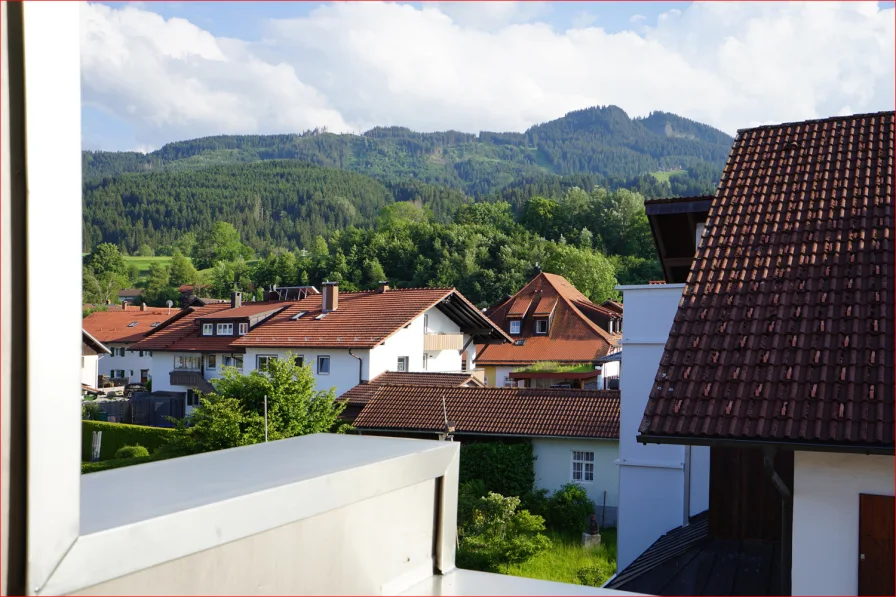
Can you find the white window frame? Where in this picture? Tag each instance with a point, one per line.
(426, 323)
(60, 552)
(581, 457)
(266, 357)
(538, 324)
(516, 327)
(403, 365)
(224, 329)
(244, 329)
(198, 361)
(425, 361)
(211, 361)
(238, 361)
(208, 329)
(320, 359)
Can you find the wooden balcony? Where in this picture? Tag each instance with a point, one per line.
(436, 342)
(191, 379)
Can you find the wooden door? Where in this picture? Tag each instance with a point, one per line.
(877, 549)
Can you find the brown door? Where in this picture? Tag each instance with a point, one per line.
(877, 550)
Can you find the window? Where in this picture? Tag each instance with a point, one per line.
(207, 329)
(244, 329)
(425, 361)
(515, 326)
(298, 315)
(144, 375)
(263, 360)
(193, 363)
(132, 324)
(154, 324)
(225, 329)
(541, 326)
(583, 466)
(426, 323)
(402, 363)
(238, 361)
(212, 361)
(192, 398)
(300, 360)
(323, 365)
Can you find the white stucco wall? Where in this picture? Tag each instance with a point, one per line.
(826, 490)
(553, 468)
(651, 477)
(131, 361)
(502, 374)
(89, 368)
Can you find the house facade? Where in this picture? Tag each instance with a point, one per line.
(550, 321)
(780, 355)
(345, 338)
(574, 433)
(119, 330)
(92, 350)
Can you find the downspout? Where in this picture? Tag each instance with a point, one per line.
(687, 486)
(768, 462)
(360, 366)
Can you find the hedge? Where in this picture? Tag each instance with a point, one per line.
(105, 465)
(505, 468)
(119, 435)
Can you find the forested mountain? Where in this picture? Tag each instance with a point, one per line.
(600, 141)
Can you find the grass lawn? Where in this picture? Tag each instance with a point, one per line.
(567, 561)
(664, 176)
(143, 263)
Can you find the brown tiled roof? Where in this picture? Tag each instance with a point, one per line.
(664, 200)
(546, 306)
(785, 329)
(182, 334)
(88, 339)
(573, 336)
(363, 319)
(112, 326)
(362, 393)
(520, 307)
(501, 411)
(129, 292)
(613, 306)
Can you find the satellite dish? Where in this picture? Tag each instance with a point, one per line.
(169, 303)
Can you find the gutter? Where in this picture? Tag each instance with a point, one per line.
(360, 366)
(760, 443)
(768, 463)
(687, 487)
(485, 434)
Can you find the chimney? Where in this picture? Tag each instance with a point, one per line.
(143, 306)
(384, 286)
(330, 296)
(236, 300)
(108, 301)
(124, 305)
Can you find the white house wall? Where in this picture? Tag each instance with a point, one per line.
(89, 369)
(826, 518)
(343, 374)
(651, 477)
(131, 362)
(553, 470)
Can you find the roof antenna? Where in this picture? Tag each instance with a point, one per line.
(169, 303)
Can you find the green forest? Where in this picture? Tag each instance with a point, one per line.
(479, 212)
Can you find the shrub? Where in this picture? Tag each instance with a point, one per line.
(591, 576)
(505, 468)
(569, 509)
(89, 411)
(131, 452)
(105, 465)
(536, 502)
(118, 435)
(497, 534)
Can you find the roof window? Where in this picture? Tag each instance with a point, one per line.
(132, 324)
(298, 315)
(321, 316)
(154, 324)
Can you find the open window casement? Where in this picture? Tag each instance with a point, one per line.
(272, 518)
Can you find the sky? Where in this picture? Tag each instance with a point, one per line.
(156, 72)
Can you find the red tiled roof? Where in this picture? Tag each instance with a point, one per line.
(248, 310)
(362, 393)
(546, 306)
(663, 200)
(573, 335)
(613, 306)
(501, 411)
(785, 329)
(519, 307)
(112, 326)
(363, 319)
(181, 333)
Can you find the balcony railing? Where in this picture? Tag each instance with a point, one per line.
(191, 379)
(436, 342)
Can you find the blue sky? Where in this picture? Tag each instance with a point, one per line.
(155, 72)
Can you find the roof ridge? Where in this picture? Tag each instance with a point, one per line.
(817, 120)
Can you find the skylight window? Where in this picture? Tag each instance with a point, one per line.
(298, 315)
(154, 324)
(132, 324)
(321, 316)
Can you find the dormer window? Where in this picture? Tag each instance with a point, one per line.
(244, 329)
(541, 326)
(515, 325)
(225, 329)
(207, 329)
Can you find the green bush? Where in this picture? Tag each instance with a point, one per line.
(536, 501)
(105, 465)
(131, 452)
(505, 468)
(90, 411)
(569, 509)
(591, 576)
(119, 435)
(497, 533)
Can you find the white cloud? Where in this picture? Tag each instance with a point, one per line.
(637, 19)
(584, 19)
(474, 67)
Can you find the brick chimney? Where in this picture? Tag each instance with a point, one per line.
(236, 300)
(330, 296)
(383, 286)
(124, 305)
(143, 306)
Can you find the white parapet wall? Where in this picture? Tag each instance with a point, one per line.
(652, 478)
